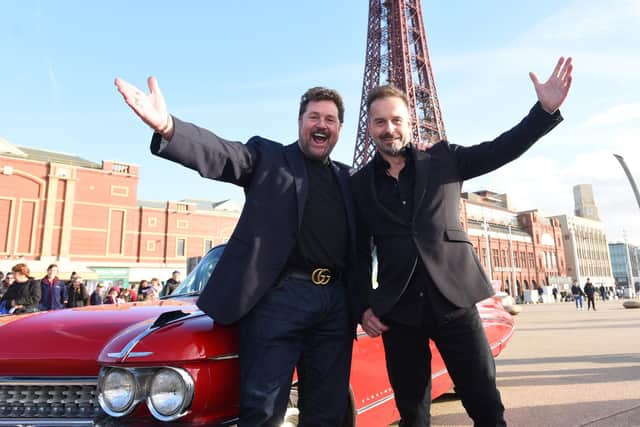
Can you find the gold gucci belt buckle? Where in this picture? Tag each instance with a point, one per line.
(321, 276)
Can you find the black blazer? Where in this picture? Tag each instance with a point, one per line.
(435, 235)
(27, 294)
(275, 183)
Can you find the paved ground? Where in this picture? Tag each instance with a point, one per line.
(566, 368)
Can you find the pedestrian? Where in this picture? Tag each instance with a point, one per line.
(54, 290)
(125, 295)
(603, 292)
(113, 296)
(157, 289)
(540, 294)
(172, 283)
(590, 292)
(71, 279)
(6, 282)
(144, 288)
(77, 293)
(577, 293)
(554, 291)
(429, 277)
(284, 276)
(23, 296)
(96, 295)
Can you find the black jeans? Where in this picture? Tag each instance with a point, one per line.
(461, 340)
(296, 324)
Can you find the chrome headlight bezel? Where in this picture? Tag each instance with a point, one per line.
(186, 382)
(133, 400)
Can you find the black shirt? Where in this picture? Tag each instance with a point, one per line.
(421, 300)
(396, 194)
(323, 237)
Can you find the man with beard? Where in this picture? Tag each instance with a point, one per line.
(284, 274)
(429, 277)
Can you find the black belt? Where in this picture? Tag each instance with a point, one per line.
(318, 276)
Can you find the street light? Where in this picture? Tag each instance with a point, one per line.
(485, 226)
(514, 288)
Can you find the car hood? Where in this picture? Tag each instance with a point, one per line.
(55, 342)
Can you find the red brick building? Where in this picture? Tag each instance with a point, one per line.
(522, 250)
(87, 217)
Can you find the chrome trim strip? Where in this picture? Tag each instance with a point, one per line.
(47, 422)
(124, 353)
(388, 398)
(375, 404)
(29, 381)
(225, 357)
(503, 340)
(134, 354)
(439, 373)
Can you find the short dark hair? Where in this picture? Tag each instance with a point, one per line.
(322, 94)
(52, 266)
(386, 91)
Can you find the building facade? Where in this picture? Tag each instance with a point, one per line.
(586, 250)
(521, 250)
(584, 202)
(86, 217)
(625, 265)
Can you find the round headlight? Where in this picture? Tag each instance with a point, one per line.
(170, 392)
(117, 392)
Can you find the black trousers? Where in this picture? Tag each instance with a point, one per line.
(459, 336)
(591, 302)
(297, 324)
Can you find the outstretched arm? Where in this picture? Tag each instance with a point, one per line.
(554, 91)
(151, 108)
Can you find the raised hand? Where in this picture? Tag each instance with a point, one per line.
(151, 108)
(554, 91)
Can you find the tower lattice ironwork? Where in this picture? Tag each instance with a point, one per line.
(397, 53)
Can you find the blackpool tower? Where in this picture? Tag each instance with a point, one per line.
(397, 53)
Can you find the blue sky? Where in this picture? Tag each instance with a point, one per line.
(238, 68)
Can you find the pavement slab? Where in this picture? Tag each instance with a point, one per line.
(565, 368)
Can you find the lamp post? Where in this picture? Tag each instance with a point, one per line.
(485, 226)
(514, 288)
(627, 257)
(574, 248)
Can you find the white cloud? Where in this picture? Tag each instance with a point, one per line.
(616, 115)
(483, 91)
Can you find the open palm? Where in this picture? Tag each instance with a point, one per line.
(554, 91)
(151, 107)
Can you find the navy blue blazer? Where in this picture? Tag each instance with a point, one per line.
(275, 183)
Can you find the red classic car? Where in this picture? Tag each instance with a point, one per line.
(166, 363)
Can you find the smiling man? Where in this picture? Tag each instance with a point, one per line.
(429, 276)
(284, 276)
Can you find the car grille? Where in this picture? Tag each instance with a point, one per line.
(48, 398)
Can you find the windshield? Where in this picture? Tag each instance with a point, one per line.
(197, 279)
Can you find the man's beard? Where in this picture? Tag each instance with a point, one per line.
(393, 150)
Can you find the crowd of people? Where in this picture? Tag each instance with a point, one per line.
(22, 293)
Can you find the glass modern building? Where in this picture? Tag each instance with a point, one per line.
(625, 263)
